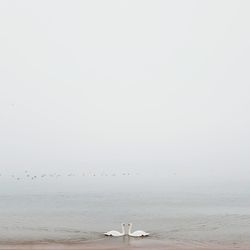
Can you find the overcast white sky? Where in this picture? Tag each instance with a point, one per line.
(135, 85)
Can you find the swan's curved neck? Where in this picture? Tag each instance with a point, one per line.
(123, 230)
(129, 229)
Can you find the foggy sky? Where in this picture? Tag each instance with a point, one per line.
(148, 86)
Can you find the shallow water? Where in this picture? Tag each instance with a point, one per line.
(177, 217)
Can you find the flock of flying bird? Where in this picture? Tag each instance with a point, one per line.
(138, 233)
(28, 175)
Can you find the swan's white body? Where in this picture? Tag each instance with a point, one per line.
(116, 233)
(138, 233)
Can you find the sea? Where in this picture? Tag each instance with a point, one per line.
(49, 211)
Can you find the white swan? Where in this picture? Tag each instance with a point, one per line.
(116, 233)
(138, 233)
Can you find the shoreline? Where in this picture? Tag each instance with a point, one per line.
(113, 244)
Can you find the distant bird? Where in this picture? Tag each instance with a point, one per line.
(137, 233)
(116, 233)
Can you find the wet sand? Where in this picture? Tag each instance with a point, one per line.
(113, 244)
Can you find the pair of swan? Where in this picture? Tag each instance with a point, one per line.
(138, 233)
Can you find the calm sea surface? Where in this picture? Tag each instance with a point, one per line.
(84, 216)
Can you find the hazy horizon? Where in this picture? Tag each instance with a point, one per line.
(147, 87)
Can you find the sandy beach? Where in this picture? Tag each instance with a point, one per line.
(112, 244)
(109, 247)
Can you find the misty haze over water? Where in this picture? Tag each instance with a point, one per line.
(134, 111)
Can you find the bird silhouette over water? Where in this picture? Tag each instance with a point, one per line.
(30, 175)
